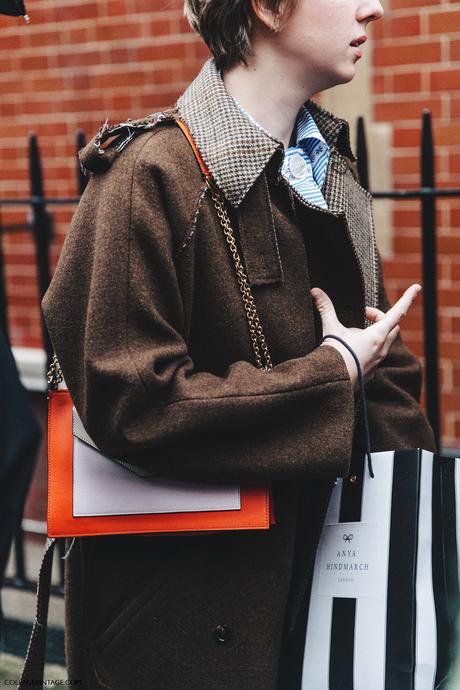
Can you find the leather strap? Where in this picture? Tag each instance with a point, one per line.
(33, 671)
(201, 162)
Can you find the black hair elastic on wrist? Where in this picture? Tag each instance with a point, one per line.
(362, 400)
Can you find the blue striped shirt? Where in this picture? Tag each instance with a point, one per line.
(305, 164)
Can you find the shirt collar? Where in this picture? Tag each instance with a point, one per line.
(234, 149)
(307, 128)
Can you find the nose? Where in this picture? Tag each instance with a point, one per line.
(370, 11)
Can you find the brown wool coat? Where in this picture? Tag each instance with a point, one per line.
(148, 324)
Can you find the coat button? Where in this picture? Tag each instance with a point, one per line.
(222, 633)
(298, 166)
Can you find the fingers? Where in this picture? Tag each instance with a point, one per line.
(391, 337)
(326, 309)
(393, 334)
(398, 311)
(374, 314)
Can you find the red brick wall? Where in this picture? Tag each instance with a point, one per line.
(416, 61)
(76, 64)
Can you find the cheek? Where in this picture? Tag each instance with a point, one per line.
(319, 38)
(305, 42)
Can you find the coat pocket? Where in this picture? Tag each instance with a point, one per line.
(137, 645)
(156, 584)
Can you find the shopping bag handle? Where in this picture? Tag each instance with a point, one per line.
(362, 400)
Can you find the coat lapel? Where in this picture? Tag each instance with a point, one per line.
(344, 195)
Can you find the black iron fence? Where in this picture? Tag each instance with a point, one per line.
(427, 194)
(41, 228)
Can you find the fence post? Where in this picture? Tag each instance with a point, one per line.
(3, 297)
(430, 306)
(82, 180)
(41, 228)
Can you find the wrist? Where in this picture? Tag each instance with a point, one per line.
(348, 359)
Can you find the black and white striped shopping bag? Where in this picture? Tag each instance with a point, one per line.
(385, 590)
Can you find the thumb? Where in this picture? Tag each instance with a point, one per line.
(326, 309)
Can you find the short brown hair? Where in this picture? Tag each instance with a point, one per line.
(226, 25)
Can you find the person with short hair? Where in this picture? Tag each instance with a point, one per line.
(147, 319)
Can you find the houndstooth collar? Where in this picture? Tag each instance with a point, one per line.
(233, 148)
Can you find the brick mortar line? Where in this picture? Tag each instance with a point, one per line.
(70, 94)
(399, 12)
(92, 25)
(408, 96)
(417, 68)
(409, 41)
(103, 44)
(164, 64)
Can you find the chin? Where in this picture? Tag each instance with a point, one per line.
(332, 79)
(345, 76)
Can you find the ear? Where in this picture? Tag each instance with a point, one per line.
(265, 15)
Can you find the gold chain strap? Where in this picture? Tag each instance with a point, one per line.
(54, 374)
(255, 328)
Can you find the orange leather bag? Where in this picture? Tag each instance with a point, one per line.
(64, 448)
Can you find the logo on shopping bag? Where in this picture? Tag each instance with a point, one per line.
(350, 560)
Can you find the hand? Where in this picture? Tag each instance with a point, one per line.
(371, 345)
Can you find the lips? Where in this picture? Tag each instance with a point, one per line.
(358, 41)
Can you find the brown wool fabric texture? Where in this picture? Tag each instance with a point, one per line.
(147, 320)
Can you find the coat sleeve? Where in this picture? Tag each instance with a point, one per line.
(116, 320)
(396, 389)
